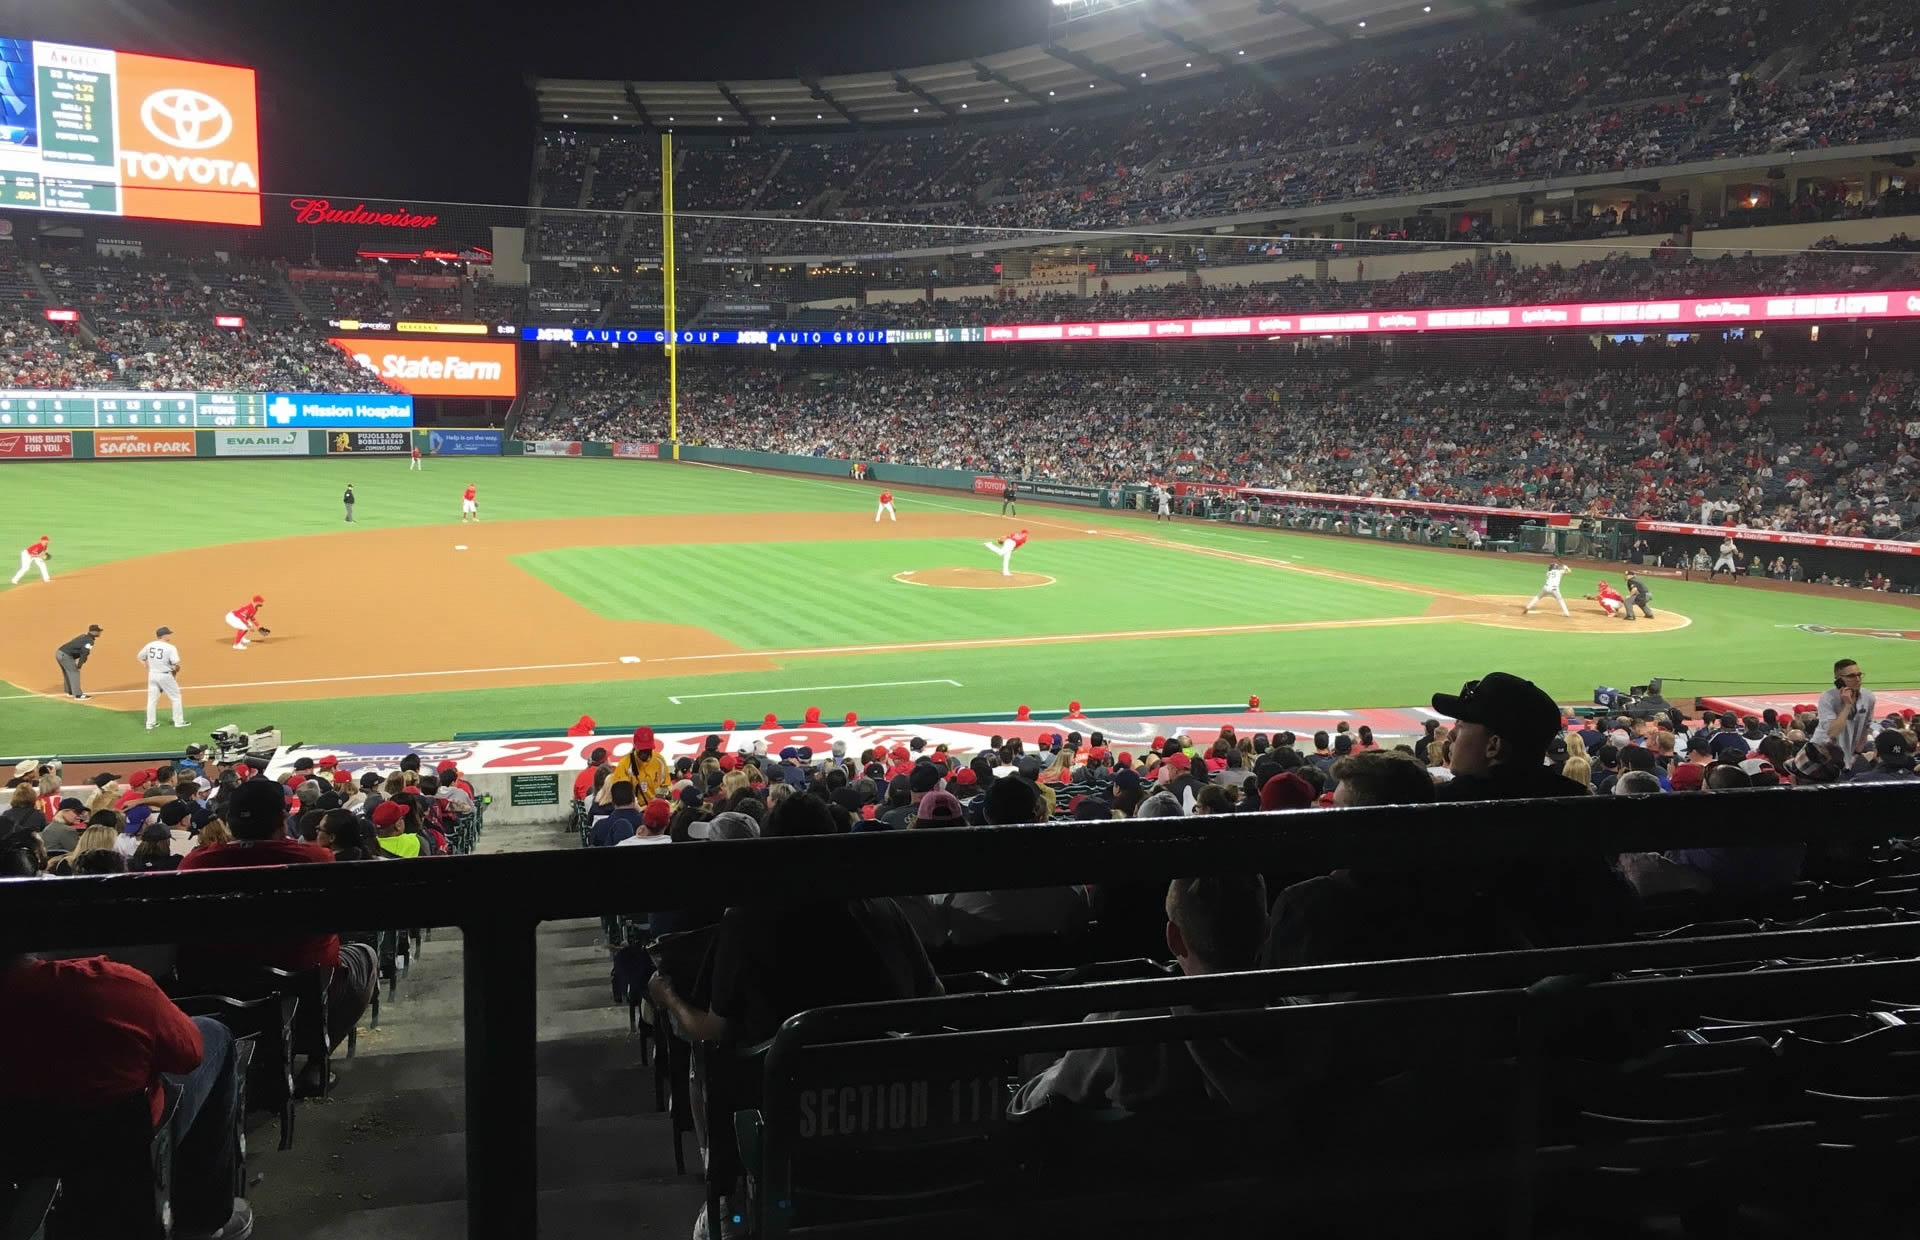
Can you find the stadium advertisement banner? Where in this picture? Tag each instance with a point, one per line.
(1742, 534)
(189, 140)
(1062, 491)
(142, 443)
(1656, 316)
(637, 451)
(431, 368)
(259, 443)
(356, 443)
(36, 445)
(552, 447)
(324, 411)
(989, 486)
(464, 443)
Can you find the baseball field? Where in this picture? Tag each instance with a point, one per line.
(680, 593)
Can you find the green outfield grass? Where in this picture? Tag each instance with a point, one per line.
(791, 594)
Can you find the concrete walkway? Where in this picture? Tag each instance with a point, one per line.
(385, 1157)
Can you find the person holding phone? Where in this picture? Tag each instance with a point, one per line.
(1847, 713)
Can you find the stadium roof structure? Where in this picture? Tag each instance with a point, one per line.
(1097, 50)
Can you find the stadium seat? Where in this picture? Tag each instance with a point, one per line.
(113, 1164)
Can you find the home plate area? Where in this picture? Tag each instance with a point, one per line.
(972, 579)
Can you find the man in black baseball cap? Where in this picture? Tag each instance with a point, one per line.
(1506, 725)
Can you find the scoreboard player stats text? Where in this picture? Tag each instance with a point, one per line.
(96, 132)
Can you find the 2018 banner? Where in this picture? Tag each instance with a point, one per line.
(142, 443)
(637, 451)
(259, 443)
(464, 443)
(353, 443)
(552, 447)
(36, 445)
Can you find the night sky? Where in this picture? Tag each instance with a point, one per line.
(419, 100)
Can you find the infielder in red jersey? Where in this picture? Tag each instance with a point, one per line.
(886, 506)
(1609, 599)
(469, 504)
(33, 556)
(1005, 549)
(242, 620)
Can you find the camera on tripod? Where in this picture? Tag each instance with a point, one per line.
(231, 744)
(1637, 702)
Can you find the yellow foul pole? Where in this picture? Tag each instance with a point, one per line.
(666, 277)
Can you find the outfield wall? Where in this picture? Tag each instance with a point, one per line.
(187, 444)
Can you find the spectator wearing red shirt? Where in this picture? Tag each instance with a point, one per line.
(101, 1032)
(258, 819)
(583, 782)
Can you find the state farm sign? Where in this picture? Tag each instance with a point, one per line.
(322, 211)
(437, 368)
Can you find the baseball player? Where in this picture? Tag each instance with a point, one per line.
(886, 506)
(347, 499)
(1609, 600)
(1727, 548)
(1162, 505)
(162, 660)
(34, 555)
(1010, 500)
(1637, 596)
(469, 504)
(72, 655)
(244, 619)
(1005, 548)
(1555, 571)
(415, 464)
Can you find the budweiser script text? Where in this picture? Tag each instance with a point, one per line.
(322, 211)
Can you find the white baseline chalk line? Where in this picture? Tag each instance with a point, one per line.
(873, 684)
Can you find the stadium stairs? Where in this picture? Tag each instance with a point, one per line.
(385, 1157)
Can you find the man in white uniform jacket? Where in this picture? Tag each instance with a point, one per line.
(162, 660)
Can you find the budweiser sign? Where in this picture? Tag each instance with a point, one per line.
(322, 211)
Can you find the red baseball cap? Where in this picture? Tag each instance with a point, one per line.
(643, 738)
(659, 812)
(387, 813)
(1178, 761)
(342, 777)
(965, 778)
(899, 753)
(728, 761)
(1125, 758)
(330, 760)
(295, 780)
(1686, 776)
(1286, 791)
(447, 764)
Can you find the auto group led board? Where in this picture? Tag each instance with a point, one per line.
(98, 132)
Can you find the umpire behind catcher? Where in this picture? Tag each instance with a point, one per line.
(72, 656)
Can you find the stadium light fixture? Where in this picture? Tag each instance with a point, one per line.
(1241, 52)
(817, 116)
(1143, 73)
(1189, 64)
(1363, 25)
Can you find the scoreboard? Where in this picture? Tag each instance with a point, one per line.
(160, 410)
(97, 132)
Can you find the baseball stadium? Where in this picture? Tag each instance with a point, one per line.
(1460, 460)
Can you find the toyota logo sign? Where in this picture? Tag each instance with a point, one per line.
(186, 119)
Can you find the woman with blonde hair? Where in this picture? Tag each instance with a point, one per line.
(103, 798)
(214, 834)
(1579, 770)
(1576, 747)
(94, 837)
(1060, 770)
(732, 782)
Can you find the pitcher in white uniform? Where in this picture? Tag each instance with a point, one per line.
(1555, 571)
(162, 660)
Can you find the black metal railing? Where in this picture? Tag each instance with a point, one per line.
(498, 900)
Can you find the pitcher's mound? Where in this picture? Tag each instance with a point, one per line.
(1503, 612)
(972, 579)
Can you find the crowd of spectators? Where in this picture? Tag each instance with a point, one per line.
(1787, 436)
(201, 812)
(1656, 85)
